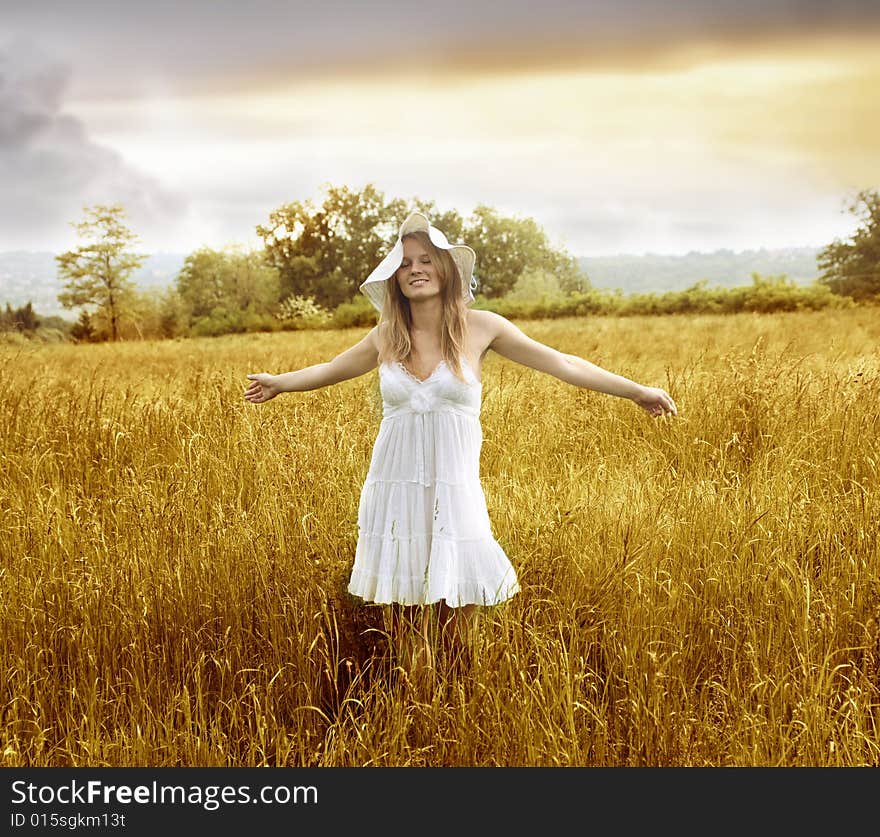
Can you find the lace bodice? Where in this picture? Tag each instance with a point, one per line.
(441, 391)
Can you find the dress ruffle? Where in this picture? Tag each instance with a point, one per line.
(459, 572)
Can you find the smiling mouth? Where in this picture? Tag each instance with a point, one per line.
(418, 281)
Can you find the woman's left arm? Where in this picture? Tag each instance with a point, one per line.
(510, 342)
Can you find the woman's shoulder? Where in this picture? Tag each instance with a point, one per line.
(478, 316)
(484, 320)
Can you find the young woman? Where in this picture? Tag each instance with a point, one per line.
(425, 543)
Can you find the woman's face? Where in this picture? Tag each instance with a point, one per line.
(417, 276)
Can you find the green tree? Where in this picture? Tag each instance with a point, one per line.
(172, 314)
(82, 330)
(97, 273)
(324, 252)
(537, 285)
(852, 268)
(19, 319)
(201, 281)
(213, 283)
(155, 313)
(7, 319)
(507, 247)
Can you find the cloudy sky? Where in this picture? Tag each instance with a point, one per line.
(621, 127)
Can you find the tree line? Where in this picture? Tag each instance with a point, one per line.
(308, 272)
(315, 255)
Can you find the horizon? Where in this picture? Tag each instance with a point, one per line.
(39, 282)
(185, 253)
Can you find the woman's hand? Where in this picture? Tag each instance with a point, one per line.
(263, 387)
(656, 401)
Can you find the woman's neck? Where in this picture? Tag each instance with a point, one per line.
(427, 317)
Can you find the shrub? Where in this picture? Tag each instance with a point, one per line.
(301, 312)
(356, 313)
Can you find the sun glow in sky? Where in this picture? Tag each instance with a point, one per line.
(737, 145)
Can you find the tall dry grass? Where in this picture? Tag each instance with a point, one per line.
(703, 590)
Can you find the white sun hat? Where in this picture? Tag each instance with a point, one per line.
(373, 287)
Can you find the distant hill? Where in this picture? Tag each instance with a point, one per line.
(27, 276)
(657, 273)
(31, 276)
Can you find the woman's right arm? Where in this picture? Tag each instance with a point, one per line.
(354, 361)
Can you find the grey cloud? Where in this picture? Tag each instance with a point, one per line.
(123, 49)
(50, 168)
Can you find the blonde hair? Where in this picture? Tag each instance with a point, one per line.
(395, 321)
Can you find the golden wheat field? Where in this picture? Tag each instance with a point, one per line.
(699, 590)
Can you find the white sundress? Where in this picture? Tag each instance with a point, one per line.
(423, 526)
